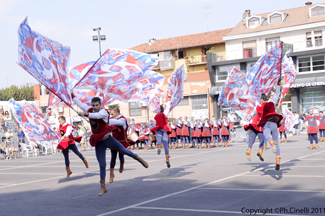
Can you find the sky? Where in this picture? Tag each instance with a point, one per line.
(126, 23)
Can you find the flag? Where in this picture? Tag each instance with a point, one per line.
(175, 89)
(265, 73)
(153, 101)
(117, 73)
(289, 73)
(34, 125)
(289, 118)
(46, 60)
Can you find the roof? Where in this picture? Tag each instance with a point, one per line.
(186, 41)
(193, 77)
(295, 16)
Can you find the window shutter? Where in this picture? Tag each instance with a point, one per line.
(249, 44)
(317, 33)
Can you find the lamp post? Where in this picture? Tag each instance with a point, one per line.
(99, 38)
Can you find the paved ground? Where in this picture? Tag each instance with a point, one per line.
(217, 181)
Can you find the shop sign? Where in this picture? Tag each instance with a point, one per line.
(302, 85)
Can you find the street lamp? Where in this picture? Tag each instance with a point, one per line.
(99, 38)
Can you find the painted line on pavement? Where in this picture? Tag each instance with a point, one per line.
(259, 189)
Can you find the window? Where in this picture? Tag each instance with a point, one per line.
(318, 38)
(199, 102)
(253, 22)
(184, 102)
(309, 39)
(270, 42)
(311, 64)
(165, 60)
(276, 18)
(312, 97)
(180, 54)
(135, 109)
(249, 48)
(222, 72)
(317, 11)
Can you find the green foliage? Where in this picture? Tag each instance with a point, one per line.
(210, 51)
(112, 106)
(24, 92)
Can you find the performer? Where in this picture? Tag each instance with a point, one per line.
(179, 130)
(215, 132)
(101, 136)
(206, 134)
(255, 131)
(282, 131)
(198, 133)
(225, 131)
(321, 119)
(152, 138)
(144, 136)
(270, 121)
(131, 130)
(186, 133)
(67, 143)
(172, 139)
(161, 131)
(137, 129)
(312, 129)
(120, 135)
(193, 132)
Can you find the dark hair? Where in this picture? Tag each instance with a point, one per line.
(96, 99)
(62, 117)
(263, 97)
(116, 109)
(162, 109)
(320, 111)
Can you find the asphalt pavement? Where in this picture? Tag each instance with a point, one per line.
(216, 181)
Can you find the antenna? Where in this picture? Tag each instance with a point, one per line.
(207, 13)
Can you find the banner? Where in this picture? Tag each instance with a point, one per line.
(289, 74)
(117, 73)
(46, 60)
(289, 118)
(34, 125)
(175, 89)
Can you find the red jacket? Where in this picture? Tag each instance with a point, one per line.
(206, 130)
(161, 123)
(266, 111)
(68, 140)
(173, 133)
(312, 124)
(121, 135)
(321, 120)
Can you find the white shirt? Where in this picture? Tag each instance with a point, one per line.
(69, 130)
(232, 117)
(297, 118)
(118, 122)
(102, 114)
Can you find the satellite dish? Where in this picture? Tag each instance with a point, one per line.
(244, 15)
(185, 77)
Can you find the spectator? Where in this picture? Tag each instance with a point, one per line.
(302, 120)
(2, 124)
(232, 119)
(296, 124)
(7, 116)
(20, 136)
(82, 132)
(3, 147)
(10, 149)
(9, 136)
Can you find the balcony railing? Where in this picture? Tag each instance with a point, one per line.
(196, 60)
(165, 64)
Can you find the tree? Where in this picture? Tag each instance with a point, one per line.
(23, 92)
(112, 106)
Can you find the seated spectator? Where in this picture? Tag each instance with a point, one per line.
(2, 124)
(9, 136)
(7, 116)
(38, 146)
(3, 146)
(10, 149)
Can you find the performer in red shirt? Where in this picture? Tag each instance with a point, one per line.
(215, 132)
(312, 130)
(144, 136)
(101, 136)
(225, 131)
(67, 143)
(172, 139)
(179, 131)
(255, 131)
(270, 121)
(120, 135)
(198, 133)
(282, 131)
(321, 127)
(206, 133)
(161, 130)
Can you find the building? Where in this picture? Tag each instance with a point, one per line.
(300, 29)
(190, 50)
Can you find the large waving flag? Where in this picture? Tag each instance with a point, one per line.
(289, 73)
(289, 118)
(153, 101)
(265, 73)
(46, 60)
(117, 73)
(34, 125)
(175, 89)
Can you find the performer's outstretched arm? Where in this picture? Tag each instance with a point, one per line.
(118, 122)
(81, 105)
(102, 114)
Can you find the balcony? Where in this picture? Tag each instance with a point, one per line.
(196, 60)
(165, 64)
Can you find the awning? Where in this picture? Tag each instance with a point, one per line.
(308, 82)
(215, 90)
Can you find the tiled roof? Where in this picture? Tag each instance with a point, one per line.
(193, 77)
(296, 16)
(186, 41)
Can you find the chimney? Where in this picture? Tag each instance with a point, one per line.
(248, 13)
(308, 3)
